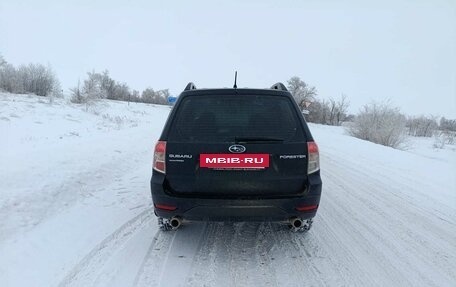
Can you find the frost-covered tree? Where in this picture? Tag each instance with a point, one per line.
(76, 94)
(122, 92)
(92, 88)
(90, 92)
(2, 61)
(301, 92)
(108, 85)
(446, 133)
(135, 96)
(163, 96)
(447, 125)
(421, 126)
(148, 95)
(155, 97)
(9, 80)
(102, 86)
(32, 78)
(380, 123)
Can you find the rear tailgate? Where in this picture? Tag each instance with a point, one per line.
(266, 129)
(284, 173)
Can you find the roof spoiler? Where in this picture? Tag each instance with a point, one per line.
(279, 86)
(190, 86)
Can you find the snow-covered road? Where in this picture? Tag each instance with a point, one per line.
(387, 218)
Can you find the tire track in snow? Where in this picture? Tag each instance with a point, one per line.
(245, 266)
(321, 249)
(264, 249)
(169, 262)
(204, 267)
(293, 265)
(152, 265)
(234, 254)
(210, 254)
(263, 254)
(85, 272)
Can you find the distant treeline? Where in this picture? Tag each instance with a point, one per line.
(378, 122)
(102, 86)
(41, 80)
(381, 122)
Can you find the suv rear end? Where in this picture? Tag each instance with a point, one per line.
(236, 154)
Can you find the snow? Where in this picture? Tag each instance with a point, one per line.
(76, 210)
(425, 147)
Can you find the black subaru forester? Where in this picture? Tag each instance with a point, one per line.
(236, 155)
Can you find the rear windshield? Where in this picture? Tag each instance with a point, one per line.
(228, 118)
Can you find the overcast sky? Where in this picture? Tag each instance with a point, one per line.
(401, 50)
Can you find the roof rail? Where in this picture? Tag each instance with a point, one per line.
(279, 86)
(190, 86)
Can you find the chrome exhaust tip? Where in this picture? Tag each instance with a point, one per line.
(296, 222)
(175, 222)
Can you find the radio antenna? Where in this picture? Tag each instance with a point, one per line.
(235, 80)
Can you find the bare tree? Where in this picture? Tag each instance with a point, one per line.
(421, 126)
(329, 112)
(319, 112)
(342, 108)
(332, 111)
(301, 92)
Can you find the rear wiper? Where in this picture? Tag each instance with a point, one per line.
(257, 139)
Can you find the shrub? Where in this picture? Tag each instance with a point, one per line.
(380, 123)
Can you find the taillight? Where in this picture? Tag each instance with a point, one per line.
(314, 158)
(307, 208)
(165, 207)
(159, 157)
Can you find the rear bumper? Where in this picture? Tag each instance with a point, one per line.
(220, 209)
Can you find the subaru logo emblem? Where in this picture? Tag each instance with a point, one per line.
(237, 148)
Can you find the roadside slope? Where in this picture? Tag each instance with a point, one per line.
(70, 178)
